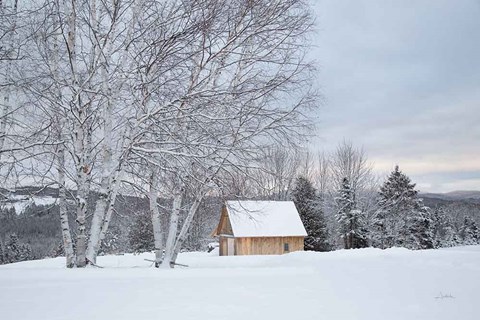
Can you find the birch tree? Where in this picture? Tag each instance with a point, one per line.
(63, 76)
(247, 56)
(167, 94)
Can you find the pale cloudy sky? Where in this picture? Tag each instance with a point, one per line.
(402, 79)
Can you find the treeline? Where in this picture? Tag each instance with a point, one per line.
(344, 205)
(37, 227)
(398, 219)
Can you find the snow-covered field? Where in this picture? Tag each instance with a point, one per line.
(22, 202)
(357, 284)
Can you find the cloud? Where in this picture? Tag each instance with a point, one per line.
(402, 78)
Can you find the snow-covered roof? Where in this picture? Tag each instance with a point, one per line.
(264, 219)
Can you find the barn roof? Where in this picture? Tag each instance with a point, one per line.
(264, 219)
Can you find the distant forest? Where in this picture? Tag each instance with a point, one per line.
(38, 227)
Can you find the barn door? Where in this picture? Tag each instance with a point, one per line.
(230, 246)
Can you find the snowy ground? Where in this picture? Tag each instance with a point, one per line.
(357, 284)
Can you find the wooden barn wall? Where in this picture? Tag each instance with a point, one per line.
(267, 245)
(223, 246)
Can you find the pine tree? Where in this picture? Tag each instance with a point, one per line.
(469, 232)
(312, 216)
(111, 243)
(350, 219)
(11, 248)
(25, 252)
(140, 236)
(16, 251)
(402, 219)
(444, 233)
(421, 229)
(58, 250)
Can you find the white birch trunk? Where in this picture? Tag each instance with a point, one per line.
(4, 118)
(62, 201)
(182, 236)
(5, 96)
(101, 205)
(156, 221)
(96, 226)
(115, 186)
(79, 141)
(60, 157)
(109, 183)
(172, 229)
(114, 189)
(81, 198)
(82, 194)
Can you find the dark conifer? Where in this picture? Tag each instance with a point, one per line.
(402, 219)
(304, 196)
(350, 219)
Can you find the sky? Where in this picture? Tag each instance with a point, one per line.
(402, 79)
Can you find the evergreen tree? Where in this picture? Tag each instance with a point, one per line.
(421, 235)
(11, 248)
(402, 219)
(25, 253)
(140, 236)
(58, 251)
(444, 233)
(469, 232)
(16, 251)
(111, 244)
(350, 219)
(312, 216)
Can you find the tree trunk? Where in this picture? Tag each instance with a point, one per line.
(173, 229)
(115, 185)
(96, 226)
(5, 89)
(109, 178)
(82, 194)
(82, 169)
(101, 204)
(156, 221)
(62, 201)
(186, 226)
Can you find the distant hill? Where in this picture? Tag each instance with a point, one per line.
(464, 196)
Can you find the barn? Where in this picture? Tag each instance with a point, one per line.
(259, 228)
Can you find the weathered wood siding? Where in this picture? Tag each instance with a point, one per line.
(266, 245)
(223, 246)
(224, 226)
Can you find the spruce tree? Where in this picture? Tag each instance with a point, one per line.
(469, 232)
(402, 219)
(305, 199)
(25, 252)
(58, 250)
(16, 251)
(11, 248)
(140, 235)
(350, 219)
(444, 233)
(421, 232)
